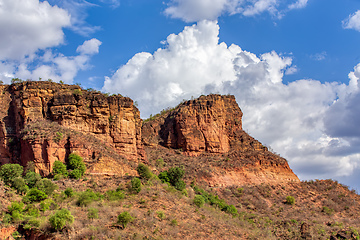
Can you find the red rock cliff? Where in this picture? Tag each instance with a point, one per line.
(113, 120)
(212, 125)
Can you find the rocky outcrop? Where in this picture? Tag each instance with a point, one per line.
(114, 120)
(213, 125)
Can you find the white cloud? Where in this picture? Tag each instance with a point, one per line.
(51, 66)
(78, 12)
(319, 56)
(29, 30)
(197, 10)
(89, 47)
(353, 21)
(29, 25)
(299, 4)
(293, 118)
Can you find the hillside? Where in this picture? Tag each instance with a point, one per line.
(249, 192)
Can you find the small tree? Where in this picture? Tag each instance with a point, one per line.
(59, 168)
(199, 201)
(76, 162)
(46, 185)
(135, 185)
(31, 178)
(8, 172)
(59, 220)
(20, 185)
(35, 195)
(124, 218)
(290, 200)
(144, 171)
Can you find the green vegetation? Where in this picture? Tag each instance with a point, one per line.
(135, 185)
(60, 219)
(290, 200)
(199, 201)
(144, 171)
(59, 168)
(174, 177)
(124, 218)
(8, 172)
(77, 166)
(216, 201)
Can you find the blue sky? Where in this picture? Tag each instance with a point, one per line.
(293, 65)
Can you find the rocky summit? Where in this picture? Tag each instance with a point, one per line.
(46, 121)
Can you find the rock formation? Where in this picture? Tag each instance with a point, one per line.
(112, 120)
(42, 122)
(212, 125)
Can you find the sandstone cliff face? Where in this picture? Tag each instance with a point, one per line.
(114, 120)
(212, 125)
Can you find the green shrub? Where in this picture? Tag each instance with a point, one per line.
(124, 218)
(161, 215)
(180, 185)
(16, 206)
(19, 185)
(48, 204)
(76, 162)
(290, 200)
(8, 172)
(59, 168)
(16, 216)
(174, 177)
(31, 223)
(135, 185)
(31, 210)
(327, 210)
(144, 171)
(87, 197)
(59, 220)
(163, 176)
(58, 177)
(112, 195)
(35, 195)
(93, 213)
(76, 174)
(199, 200)
(47, 186)
(174, 222)
(58, 137)
(69, 192)
(31, 178)
(232, 210)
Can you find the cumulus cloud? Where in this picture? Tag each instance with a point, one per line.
(197, 10)
(353, 21)
(29, 25)
(89, 47)
(52, 66)
(30, 29)
(300, 119)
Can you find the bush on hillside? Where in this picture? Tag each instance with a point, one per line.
(124, 218)
(31, 178)
(144, 171)
(8, 172)
(59, 220)
(59, 168)
(135, 185)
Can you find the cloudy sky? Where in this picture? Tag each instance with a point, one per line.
(293, 65)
